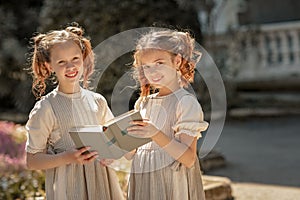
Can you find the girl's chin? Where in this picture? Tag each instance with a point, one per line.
(158, 86)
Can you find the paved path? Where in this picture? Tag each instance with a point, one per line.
(250, 191)
(260, 153)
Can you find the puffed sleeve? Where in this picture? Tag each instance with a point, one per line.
(189, 117)
(40, 124)
(104, 113)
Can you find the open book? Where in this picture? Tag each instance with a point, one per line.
(111, 139)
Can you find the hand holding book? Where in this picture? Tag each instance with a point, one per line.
(142, 129)
(110, 140)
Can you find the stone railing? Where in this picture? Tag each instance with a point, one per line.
(268, 50)
(279, 44)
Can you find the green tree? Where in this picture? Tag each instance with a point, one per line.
(18, 22)
(101, 19)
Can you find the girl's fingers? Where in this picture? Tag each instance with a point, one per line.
(83, 149)
(91, 154)
(140, 123)
(92, 158)
(135, 128)
(89, 157)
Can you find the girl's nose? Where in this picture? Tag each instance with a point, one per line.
(152, 70)
(70, 65)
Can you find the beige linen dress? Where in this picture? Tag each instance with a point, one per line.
(48, 125)
(154, 173)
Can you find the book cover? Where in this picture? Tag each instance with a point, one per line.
(111, 139)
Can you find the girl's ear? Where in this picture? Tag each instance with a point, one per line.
(178, 60)
(48, 67)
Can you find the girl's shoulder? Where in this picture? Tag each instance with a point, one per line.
(45, 102)
(182, 96)
(42, 107)
(187, 99)
(96, 96)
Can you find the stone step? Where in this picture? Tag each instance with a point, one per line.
(217, 188)
(262, 112)
(283, 99)
(269, 84)
(212, 160)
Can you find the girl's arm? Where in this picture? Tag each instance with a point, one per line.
(184, 150)
(41, 160)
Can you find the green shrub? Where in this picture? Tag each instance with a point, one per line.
(16, 182)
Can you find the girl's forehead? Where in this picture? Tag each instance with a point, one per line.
(153, 54)
(64, 49)
(65, 44)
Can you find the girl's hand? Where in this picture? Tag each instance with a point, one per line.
(81, 156)
(142, 129)
(106, 162)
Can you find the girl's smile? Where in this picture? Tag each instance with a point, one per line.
(157, 79)
(72, 74)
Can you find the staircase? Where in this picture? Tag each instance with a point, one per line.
(266, 98)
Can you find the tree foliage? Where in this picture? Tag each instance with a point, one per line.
(100, 19)
(18, 21)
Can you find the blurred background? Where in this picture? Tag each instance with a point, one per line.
(255, 44)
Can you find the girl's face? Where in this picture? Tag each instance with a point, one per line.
(67, 62)
(160, 70)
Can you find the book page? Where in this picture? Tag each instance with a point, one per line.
(120, 117)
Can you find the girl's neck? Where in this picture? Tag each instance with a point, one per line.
(69, 90)
(168, 90)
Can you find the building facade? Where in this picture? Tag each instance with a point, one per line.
(256, 45)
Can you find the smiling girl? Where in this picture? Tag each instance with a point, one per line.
(67, 56)
(167, 167)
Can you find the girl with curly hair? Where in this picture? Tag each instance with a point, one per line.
(66, 57)
(168, 166)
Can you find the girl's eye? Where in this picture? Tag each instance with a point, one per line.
(61, 62)
(75, 58)
(146, 67)
(158, 64)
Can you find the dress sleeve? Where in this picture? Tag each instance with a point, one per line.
(189, 117)
(40, 124)
(104, 113)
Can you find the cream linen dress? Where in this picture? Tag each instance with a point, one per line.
(155, 175)
(48, 125)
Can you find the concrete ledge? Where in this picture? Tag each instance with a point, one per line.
(246, 191)
(217, 188)
(262, 112)
(212, 160)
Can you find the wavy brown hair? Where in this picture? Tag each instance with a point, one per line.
(43, 44)
(174, 42)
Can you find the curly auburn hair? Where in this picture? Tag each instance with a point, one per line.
(43, 44)
(174, 42)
